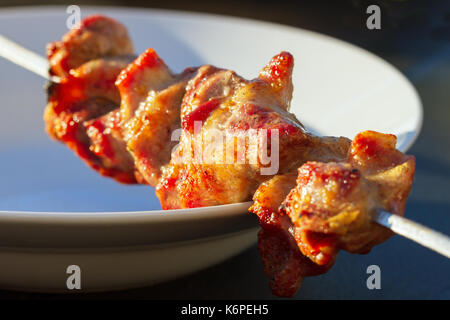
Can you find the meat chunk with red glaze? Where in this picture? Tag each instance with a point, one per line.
(283, 262)
(333, 204)
(328, 206)
(96, 37)
(151, 98)
(106, 142)
(87, 93)
(79, 110)
(229, 125)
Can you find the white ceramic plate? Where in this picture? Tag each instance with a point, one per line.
(56, 212)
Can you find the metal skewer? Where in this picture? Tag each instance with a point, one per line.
(423, 235)
(25, 58)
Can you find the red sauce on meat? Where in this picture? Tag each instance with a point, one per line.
(68, 93)
(279, 67)
(200, 114)
(102, 145)
(320, 243)
(148, 59)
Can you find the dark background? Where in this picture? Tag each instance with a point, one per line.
(415, 37)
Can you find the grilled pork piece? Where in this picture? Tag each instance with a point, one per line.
(97, 37)
(81, 108)
(329, 206)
